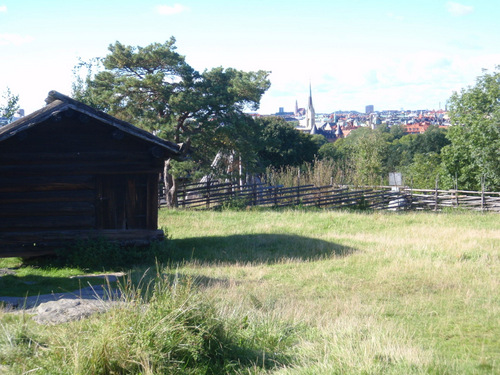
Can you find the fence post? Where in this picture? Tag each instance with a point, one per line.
(208, 194)
(184, 194)
(436, 196)
(298, 185)
(254, 194)
(482, 193)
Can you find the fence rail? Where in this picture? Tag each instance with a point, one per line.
(427, 199)
(213, 194)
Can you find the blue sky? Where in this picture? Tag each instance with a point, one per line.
(394, 54)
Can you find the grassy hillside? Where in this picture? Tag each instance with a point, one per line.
(302, 292)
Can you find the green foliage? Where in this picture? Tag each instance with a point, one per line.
(235, 203)
(403, 151)
(319, 139)
(282, 145)
(366, 150)
(475, 134)
(84, 72)
(366, 156)
(424, 171)
(329, 151)
(154, 87)
(397, 131)
(10, 106)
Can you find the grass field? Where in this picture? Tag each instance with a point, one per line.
(303, 292)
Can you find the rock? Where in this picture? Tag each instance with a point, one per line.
(64, 307)
(6, 271)
(65, 310)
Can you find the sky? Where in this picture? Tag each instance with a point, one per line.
(393, 54)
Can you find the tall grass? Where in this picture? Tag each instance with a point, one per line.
(163, 325)
(318, 173)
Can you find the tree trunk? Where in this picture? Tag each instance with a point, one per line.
(170, 185)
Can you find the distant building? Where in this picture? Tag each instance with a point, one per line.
(286, 115)
(369, 109)
(416, 128)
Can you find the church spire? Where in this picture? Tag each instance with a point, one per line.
(310, 114)
(310, 103)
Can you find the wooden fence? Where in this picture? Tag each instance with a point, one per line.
(427, 199)
(213, 194)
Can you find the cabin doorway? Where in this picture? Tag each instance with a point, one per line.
(123, 202)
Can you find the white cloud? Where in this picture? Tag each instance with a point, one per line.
(169, 10)
(3, 8)
(15, 39)
(457, 9)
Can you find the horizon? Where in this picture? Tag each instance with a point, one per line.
(392, 55)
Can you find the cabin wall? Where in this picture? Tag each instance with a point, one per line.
(73, 173)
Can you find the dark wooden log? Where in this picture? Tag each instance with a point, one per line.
(31, 158)
(46, 183)
(46, 209)
(36, 243)
(28, 223)
(77, 168)
(47, 196)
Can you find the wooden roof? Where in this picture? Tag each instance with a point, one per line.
(58, 103)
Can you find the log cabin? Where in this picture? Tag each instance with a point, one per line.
(69, 172)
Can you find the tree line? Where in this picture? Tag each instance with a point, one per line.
(154, 87)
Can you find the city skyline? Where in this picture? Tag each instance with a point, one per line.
(390, 54)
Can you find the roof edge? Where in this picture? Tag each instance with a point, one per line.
(60, 102)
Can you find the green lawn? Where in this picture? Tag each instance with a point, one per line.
(307, 292)
(379, 292)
